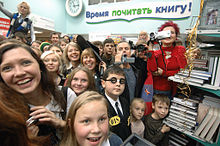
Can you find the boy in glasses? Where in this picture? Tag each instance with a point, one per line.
(113, 82)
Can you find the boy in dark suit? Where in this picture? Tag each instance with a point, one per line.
(113, 83)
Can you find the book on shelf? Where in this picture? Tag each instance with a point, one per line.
(211, 101)
(174, 119)
(193, 76)
(200, 64)
(217, 74)
(209, 124)
(183, 114)
(211, 64)
(204, 121)
(178, 138)
(184, 109)
(183, 118)
(183, 105)
(198, 72)
(181, 129)
(214, 127)
(189, 79)
(186, 101)
(202, 111)
(183, 125)
(214, 70)
(173, 143)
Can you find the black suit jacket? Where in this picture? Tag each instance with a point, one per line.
(122, 129)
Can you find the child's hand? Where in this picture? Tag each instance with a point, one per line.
(46, 116)
(165, 129)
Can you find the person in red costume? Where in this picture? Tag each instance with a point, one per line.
(170, 59)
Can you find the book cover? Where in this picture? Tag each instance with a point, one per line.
(204, 122)
(183, 109)
(202, 111)
(209, 124)
(187, 101)
(183, 118)
(181, 129)
(178, 136)
(217, 77)
(191, 79)
(214, 70)
(185, 126)
(185, 115)
(211, 64)
(193, 76)
(173, 143)
(183, 105)
(177, 140)
(211, 101)
(214, 127)
(171, 118)
(198, 72)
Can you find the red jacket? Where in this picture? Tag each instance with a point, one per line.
(174, 58)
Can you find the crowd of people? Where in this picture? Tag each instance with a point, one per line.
(72, 92)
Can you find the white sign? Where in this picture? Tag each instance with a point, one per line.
(42, 22)
(147, 10)
(98, 36)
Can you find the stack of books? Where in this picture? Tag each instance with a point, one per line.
(208, 119)
(195, 76)
(205, 72)
(178, 139)
(200, 64)
(183, 114)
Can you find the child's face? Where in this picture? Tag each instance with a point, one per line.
(114, 85)
(160, 109)
(80, 82)
(137, 110)
(91, 124)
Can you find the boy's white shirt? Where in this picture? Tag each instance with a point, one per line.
(113, 103)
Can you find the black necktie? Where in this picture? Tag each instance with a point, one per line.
(118, 110)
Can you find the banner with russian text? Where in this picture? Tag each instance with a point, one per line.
(147, 10)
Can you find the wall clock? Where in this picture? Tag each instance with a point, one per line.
(74, 7)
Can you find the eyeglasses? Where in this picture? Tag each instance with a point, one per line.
(114, 80)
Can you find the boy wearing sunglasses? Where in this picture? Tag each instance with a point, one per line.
(113, 82)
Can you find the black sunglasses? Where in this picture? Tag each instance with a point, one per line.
(114, 80)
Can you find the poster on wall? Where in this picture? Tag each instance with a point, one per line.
(95, 2)
(210, 19)
(4, 26)
(147, 10)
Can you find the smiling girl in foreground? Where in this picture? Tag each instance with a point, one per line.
(23, 71)
(87, 122)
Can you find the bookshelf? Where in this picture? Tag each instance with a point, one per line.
(203, 142)
(208, 88)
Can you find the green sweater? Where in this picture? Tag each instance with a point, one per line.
(153, 131)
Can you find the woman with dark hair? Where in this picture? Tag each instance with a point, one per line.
(23, 71)
(15, 111)
(170, 59)
(12, 106)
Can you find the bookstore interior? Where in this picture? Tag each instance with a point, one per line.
(198, 116)
(194, 119)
